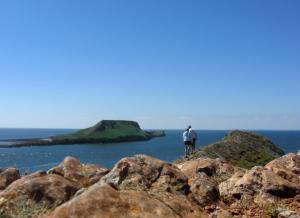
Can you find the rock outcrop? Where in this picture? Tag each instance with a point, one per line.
(7, 176)
(143, 186)
(287, 167)
(213, 186)
(219, 169)
(243, 149)
(204, 175)
(142, 172)
(265, 187)
(138, 186)
(40, 187)
(262, 184)
(83, 174)
(105, 201)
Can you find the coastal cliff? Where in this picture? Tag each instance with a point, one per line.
(143, 186)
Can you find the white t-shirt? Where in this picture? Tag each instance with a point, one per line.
(187, 136)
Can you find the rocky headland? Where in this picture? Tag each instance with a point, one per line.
(143, 186)
(106, 131)
(241, 148)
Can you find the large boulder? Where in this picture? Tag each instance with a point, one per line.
(204, 190)
(105, 201)
(83, 174)
(7, 176)
(40, 187)
(287, 167)
(217, 169)
(260, 184)
(142, 172)
(204, 174)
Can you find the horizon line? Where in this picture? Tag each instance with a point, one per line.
(199, 129)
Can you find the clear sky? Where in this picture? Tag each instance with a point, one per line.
(165, 63)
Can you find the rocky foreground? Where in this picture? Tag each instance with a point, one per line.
(243, 175)
(142, 186)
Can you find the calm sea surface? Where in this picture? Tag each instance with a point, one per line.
(168, 148)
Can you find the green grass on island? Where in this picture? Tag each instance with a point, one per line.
(111, 131)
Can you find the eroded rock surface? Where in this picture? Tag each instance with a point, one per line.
(217, 168)
(289, 214)
(204, 175)
(105, 201)
(287, 167)
(273, 187)
(40, 187)
(7, 176)
(260, 183)
(83, 174)
(143, 186)
(142, 172)
(180, 204)
(205, 191)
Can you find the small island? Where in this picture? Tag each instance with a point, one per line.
(106, 131)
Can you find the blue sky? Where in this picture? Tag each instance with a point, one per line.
(213, 64)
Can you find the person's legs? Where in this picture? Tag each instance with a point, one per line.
(191, 148)
(186, 149)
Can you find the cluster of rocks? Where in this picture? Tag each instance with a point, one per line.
(142, 186)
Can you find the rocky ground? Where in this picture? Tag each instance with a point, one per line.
(142, 186)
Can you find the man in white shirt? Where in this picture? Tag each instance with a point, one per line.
(193, 136)
(187, 140)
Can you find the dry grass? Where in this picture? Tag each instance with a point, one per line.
(25, 209)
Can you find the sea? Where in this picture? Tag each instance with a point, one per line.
(168, 148)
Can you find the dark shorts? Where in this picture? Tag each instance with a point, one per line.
(188, 143)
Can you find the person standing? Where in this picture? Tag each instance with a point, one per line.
(193, 136)
(187, 140)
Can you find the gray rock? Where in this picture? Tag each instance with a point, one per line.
(205, 191)
(289, 214)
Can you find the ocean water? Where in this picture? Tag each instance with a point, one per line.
(169, 148)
